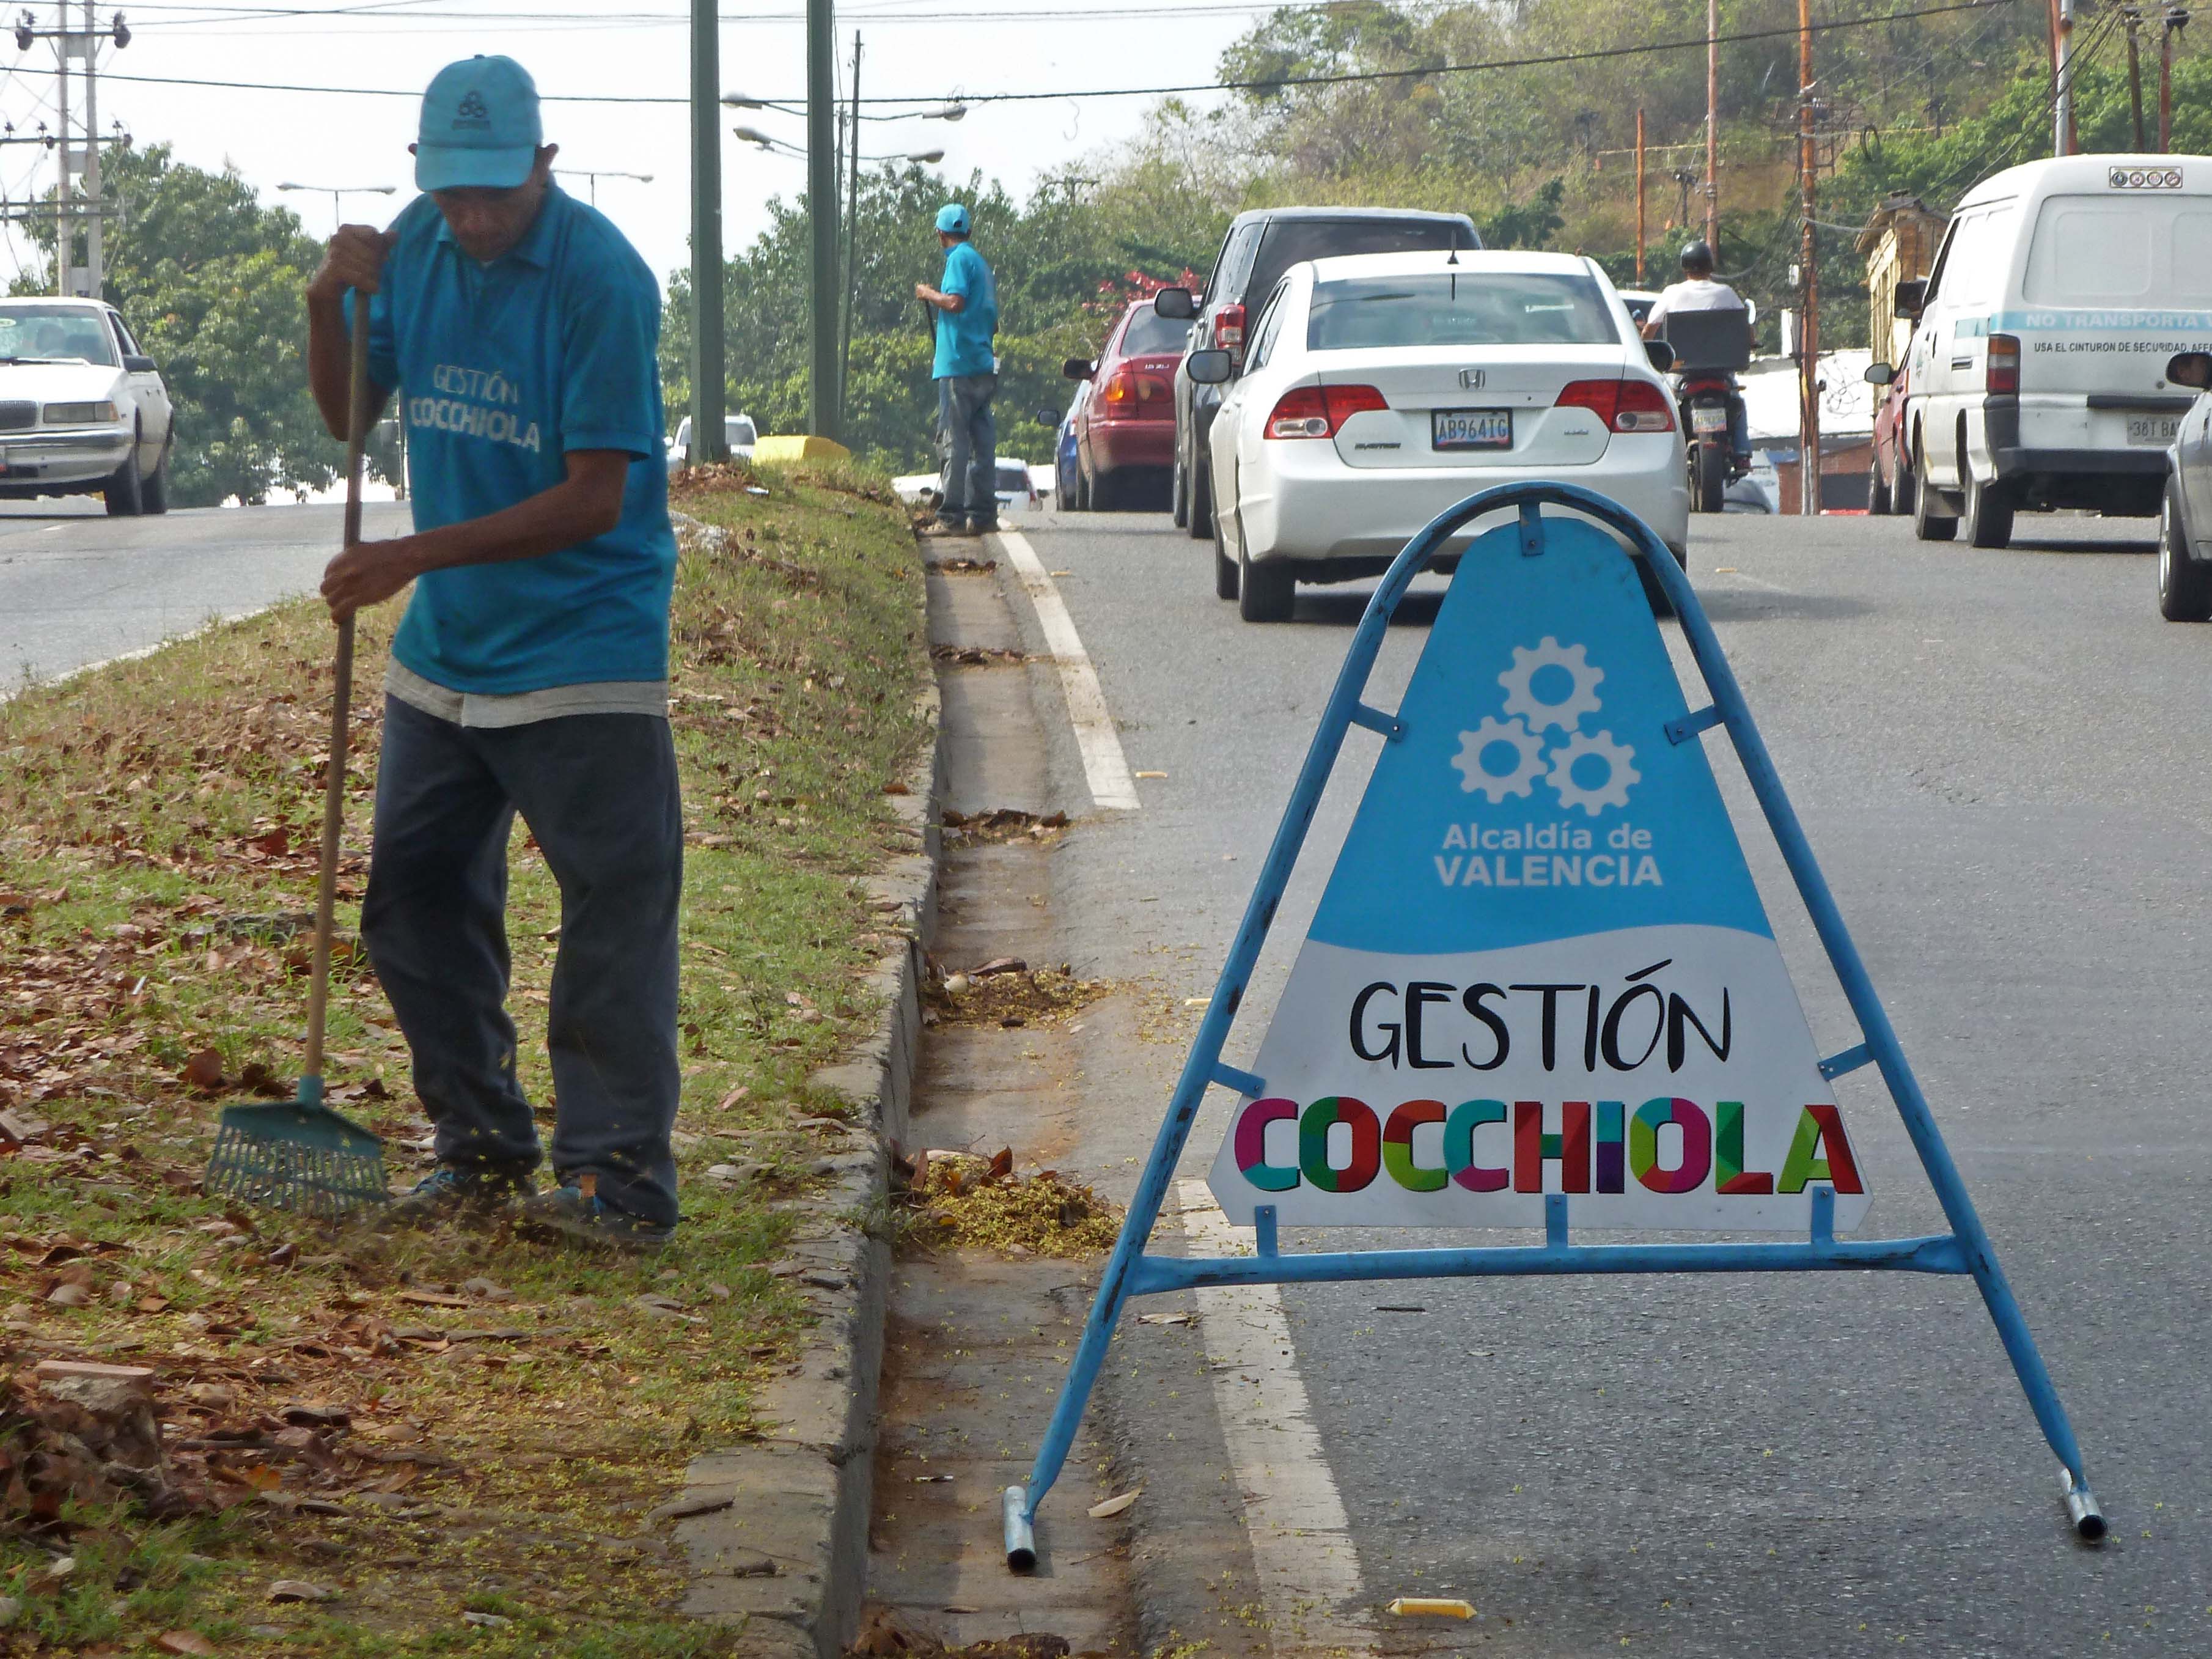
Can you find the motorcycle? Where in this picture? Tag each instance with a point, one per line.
(1702, 400)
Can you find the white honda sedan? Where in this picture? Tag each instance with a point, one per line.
(1380, 389)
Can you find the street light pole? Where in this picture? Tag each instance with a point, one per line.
(709, 440)
(338, 193)
(598, 174)
(821, 217)
(852, 218)
(1808, 327)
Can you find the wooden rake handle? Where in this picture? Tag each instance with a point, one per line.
(334, 774)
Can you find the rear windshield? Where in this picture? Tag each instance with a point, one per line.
(2121, 250)
(1493, 309)
(1150, 332)
(56, 332)
(1290, 241)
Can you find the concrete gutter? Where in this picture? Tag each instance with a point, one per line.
(777, 1531)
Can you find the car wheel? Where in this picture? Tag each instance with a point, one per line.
(123, 489)
(153, 488)
(1878, 503)
(1654, 594)
(1902, 494)
(1225, 582)
(1180, 490)
(1266, 592)
(2185, 585)
(1930, 522)
(1989, 512)
(1106, 492)
(1200, 518)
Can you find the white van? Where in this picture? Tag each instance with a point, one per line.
(2037, 377)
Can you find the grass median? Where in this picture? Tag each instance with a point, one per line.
(440, 1444)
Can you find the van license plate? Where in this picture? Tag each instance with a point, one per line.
(1471, 428)
(2154, 431)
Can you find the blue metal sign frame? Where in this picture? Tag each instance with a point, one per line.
(1965, 1250)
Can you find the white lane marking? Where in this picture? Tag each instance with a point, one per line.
(1100, 745)
(1302, 1544)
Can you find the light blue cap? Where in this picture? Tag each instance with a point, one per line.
(953, 219)
(480, 126)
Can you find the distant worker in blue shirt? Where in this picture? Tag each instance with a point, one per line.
(967, 373)
(530, 673)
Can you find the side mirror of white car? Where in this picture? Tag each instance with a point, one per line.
(2190, 368)
(1879, 374)
(1209, 368)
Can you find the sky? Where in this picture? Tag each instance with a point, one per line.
(922, 50)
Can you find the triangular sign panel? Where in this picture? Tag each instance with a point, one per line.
(1539, 964)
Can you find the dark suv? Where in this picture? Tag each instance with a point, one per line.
(1262, 246)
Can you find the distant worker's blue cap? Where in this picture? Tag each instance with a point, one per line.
(480, 126)
(953, 219)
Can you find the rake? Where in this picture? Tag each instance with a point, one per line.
(300, 1154)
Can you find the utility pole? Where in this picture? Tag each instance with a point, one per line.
(2131, 20)
(64, 221)
(852, 218)
(2175, 20)
(1712, 124)
(1808, 330)
(2062, 106)
(709, 442)
(69, 43)
(1639, 196)
(822, 214)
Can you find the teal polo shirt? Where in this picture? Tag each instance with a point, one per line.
(964, 336)
(501, 369)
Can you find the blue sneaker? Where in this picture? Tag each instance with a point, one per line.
(569, 1212)
(455, 1192)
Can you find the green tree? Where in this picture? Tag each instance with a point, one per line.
(212, 282)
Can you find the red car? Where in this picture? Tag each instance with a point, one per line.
(1125, 431)
(1889, 487)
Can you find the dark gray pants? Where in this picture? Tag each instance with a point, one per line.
(968, 437)
(598, 792)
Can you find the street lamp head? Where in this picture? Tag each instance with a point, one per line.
(947, 113)
(739, 100)
(753, 136)
(927, 156)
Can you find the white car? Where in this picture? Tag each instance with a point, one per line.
(2036, 379)
(1017, 487)
(83, 409)
(1379, 390)
(739, 435)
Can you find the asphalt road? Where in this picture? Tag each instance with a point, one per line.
(77, 587)
(1999, 759)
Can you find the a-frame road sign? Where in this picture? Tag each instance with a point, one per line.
(1540, 989)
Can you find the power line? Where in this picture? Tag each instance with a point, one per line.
(1269, 84)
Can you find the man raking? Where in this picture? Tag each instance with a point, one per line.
(530, 672)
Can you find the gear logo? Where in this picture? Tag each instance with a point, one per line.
(1619, 763)
(1543, 669)
(1490, 739)
(1550, 687)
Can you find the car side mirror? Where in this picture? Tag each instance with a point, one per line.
(1879, 374)
(1660, 354)
(1208, 367)
(1177, 304)
(2191, 369)
(138, 364)
(1047, 418)
(1911, 299)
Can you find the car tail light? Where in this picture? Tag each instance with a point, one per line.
(1229, 327)
(2003, 374)
(1623, 405)
(1316, 411)
(1121, 388)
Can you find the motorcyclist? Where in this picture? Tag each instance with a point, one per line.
(1698, 291)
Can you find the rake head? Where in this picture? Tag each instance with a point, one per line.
(297, 1155)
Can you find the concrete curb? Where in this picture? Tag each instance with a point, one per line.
(777, 1531)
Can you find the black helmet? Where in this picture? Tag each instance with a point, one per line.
(1698, 256)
